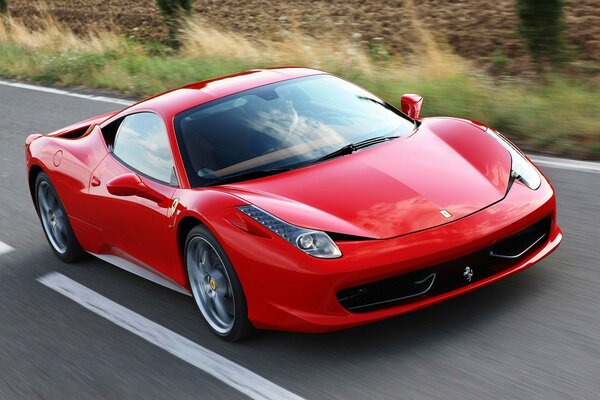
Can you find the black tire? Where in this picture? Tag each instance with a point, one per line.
(68, 250)
(240, 327)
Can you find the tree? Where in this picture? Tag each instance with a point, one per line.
(173, 11)
(542, 26)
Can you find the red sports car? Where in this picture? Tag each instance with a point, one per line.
(291, 199)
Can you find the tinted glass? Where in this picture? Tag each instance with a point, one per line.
(142, 143)
(286, 124)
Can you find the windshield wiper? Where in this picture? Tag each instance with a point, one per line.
(254, 174)
(352, 147)
(247, 175)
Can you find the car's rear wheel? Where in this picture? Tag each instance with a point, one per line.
(215, 286)
(55, 221)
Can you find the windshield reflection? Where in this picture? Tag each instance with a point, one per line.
(285, 124)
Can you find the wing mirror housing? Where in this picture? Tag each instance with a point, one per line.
(411, 105)
(132, 185)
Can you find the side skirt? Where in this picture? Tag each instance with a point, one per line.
(145, 273)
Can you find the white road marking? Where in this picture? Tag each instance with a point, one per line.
(234, 375)
(4, 248)
(66, 93)
(564, 163)
(553, 162)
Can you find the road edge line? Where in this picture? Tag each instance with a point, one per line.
(565, 163)
(45, 89)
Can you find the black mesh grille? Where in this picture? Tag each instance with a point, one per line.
(441, 278)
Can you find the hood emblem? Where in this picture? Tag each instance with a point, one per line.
(445, 213)
(468, 274)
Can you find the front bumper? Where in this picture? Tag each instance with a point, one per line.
(289, 290)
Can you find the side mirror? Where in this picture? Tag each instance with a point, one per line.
(411, 105)
(131, 185)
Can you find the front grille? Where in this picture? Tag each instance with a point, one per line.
(445, 277)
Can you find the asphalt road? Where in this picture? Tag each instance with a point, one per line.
(535, 335)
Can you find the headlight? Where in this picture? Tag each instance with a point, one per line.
(522, 169)
(314, 243)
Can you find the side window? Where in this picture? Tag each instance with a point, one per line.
(142, 143)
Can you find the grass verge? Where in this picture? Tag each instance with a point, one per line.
(558, 116)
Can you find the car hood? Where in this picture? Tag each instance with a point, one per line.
(391, 189)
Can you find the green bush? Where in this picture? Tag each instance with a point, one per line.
(542, 25)
(4, 7)
(172, 11)
(172, 7)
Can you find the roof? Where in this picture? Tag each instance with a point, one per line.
(175, 101)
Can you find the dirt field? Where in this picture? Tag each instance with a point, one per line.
(478, 30)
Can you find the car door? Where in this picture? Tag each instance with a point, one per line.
(136, 228)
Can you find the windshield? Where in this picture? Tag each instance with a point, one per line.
(279, 127)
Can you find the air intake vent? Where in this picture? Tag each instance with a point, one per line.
(519, 244)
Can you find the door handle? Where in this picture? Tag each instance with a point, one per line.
(95, 181)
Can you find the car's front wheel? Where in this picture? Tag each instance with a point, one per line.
(215, 286)
(55, 221)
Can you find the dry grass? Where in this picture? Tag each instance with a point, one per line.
(434, 60)
(52, 36)
(199, 39)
